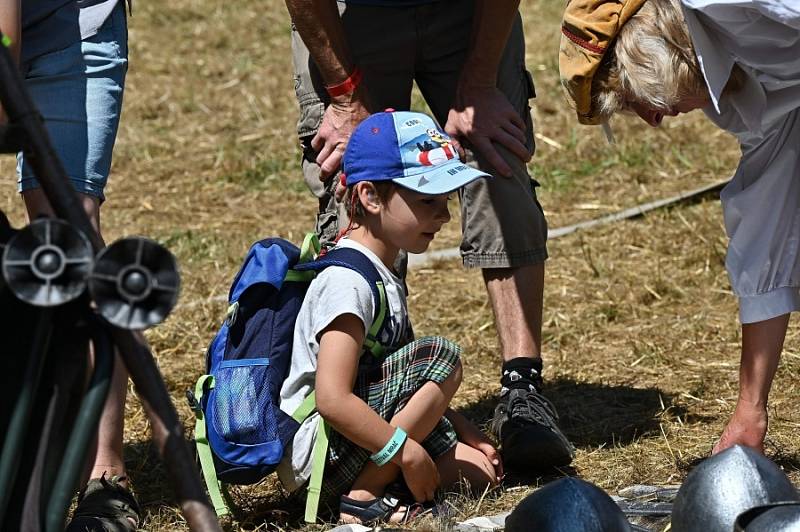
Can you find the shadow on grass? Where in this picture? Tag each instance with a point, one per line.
(593, 414)
(253, 506)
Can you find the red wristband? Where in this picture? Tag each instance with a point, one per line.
(348, 86)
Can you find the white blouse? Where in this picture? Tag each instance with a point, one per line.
(761, 204)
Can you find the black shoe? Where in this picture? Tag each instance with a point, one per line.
(105, 505)
(525, 423)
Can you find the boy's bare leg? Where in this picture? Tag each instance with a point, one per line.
(762, 343)
(107, 457)
(418, 418)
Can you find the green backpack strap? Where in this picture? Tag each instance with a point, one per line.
(371, 342)
(319, 456)
(310, 248)
(308, 252)
(308, 405)
(215, 490)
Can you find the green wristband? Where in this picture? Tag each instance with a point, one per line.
(383, 456)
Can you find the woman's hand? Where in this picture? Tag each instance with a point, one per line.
(419, 471)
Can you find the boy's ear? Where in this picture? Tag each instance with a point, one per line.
(368, 196)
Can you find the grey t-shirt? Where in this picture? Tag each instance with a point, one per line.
(334, 292)
(52, 25)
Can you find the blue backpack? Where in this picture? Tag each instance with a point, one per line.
(240, 431)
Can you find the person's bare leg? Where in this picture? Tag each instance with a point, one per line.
(418, 418)
(524, 420)
(516, 295)
(762, 343)
(107, 456)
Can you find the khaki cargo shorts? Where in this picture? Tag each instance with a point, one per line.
(502, 222)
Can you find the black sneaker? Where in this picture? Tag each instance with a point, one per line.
(525, 424)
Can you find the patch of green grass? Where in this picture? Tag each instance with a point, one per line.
(553, 179)
(633, 155)
(192, 246)
(278, 173)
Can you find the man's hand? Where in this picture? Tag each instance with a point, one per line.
(338, 122)
(419, 471)
(482, 115)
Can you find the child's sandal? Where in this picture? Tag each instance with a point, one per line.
(380, 509)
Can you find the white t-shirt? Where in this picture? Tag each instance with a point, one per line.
(335, 291)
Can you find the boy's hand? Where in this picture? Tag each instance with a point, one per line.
(471, 435)
(419, 471)
(485, 446)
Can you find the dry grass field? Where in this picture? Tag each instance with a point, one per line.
(641, 334)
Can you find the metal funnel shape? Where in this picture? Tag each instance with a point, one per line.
(135, 283)
(47, 263)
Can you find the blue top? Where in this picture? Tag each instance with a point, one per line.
(51, 25)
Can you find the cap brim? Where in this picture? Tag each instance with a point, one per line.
(441, 179)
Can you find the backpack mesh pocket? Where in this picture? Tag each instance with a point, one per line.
(244, 411)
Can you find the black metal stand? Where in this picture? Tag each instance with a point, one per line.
(28, 130)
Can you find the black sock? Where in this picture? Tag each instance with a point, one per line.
(521, 373)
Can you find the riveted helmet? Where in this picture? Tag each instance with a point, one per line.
(724, 486)
(778, 517)
(567, 505)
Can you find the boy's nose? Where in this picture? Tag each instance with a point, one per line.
(444, 213)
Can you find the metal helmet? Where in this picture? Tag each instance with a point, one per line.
(724, 486)
(567, 505)
(778, 517)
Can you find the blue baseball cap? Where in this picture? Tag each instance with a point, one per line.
(409, 149)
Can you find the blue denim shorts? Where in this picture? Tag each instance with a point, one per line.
(78, 91)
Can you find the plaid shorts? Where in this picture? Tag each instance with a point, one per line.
(386, 385)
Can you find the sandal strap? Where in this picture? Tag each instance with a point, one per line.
(106, 505)
(377, 510)
(400, 490)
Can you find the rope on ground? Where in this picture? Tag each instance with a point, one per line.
(692, 196)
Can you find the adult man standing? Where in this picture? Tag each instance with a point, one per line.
(467, 57)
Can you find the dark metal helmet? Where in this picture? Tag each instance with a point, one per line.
(567, 505)
(724, 486)
(778, 517)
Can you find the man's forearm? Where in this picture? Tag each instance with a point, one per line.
(491, 27)
(320, 27)
(10, 24)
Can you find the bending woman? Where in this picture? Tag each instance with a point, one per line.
(739, 61)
